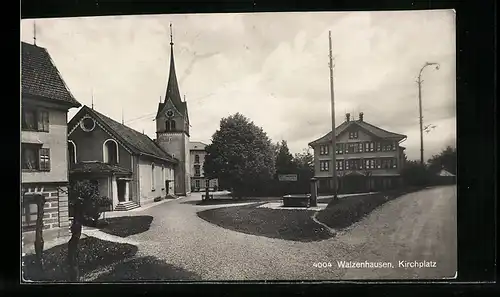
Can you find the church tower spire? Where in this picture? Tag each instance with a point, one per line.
(172, 128)
(172, 92)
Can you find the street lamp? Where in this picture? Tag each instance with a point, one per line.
(419, 82)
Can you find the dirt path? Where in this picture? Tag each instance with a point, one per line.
(419, 226)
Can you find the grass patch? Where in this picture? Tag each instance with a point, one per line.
(294, 225)
(346, 211)
(146, 269)
(217, 201)
(126, 226)
(93, 253)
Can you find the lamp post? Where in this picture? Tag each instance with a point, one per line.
(419, 82)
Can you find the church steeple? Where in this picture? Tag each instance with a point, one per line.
(172, 92)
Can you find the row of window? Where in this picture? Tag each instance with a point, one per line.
(357, 164)
(359, 147)
(35, 158)
(35, 120)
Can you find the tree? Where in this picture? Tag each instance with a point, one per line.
(284, 159)
(92, 203)
(446, 159)
(241, 155)
(304, 163)
(416, 174)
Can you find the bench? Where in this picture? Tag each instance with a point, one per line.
(296, 200)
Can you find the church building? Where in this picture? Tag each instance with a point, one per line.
(127, 165)
(172, 129)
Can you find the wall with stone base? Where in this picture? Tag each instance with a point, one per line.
(56, 204)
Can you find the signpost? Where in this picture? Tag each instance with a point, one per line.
(287, 177)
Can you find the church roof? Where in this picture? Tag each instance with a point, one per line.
(197, 146)
(172, 91)
(40, 77)
(137, 142)
(372, 129)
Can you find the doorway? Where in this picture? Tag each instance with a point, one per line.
(120, 185)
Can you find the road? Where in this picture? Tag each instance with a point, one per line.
(417, 227)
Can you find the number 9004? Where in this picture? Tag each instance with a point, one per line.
(322, 264)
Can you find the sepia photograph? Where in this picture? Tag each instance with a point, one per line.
(314, 146)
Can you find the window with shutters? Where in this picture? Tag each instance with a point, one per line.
(34, 120)
(34, 158)
(44, 159)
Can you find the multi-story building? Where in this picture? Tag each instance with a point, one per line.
(368, 158)
(198, 179)
(45, 101)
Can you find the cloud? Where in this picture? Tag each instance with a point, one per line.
(272, 67)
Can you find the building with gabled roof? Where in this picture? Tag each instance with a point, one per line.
(129, 167)
(198, 152)
(45, 101)
(368, 157)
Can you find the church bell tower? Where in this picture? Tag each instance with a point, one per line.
(172, 128)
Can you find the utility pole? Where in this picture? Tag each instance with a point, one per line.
(421, 118)
(334, 140)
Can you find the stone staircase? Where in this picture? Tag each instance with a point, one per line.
(124, 206)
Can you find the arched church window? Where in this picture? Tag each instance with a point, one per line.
(72, 152)
(170, 125)
(110, 151)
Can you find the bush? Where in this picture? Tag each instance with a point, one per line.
(415, 174)
(93, 203)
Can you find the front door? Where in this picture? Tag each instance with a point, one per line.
(121, 190)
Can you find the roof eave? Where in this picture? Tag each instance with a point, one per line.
(68, 104)
(156, 157)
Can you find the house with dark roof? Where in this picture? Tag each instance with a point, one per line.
(368, 158)
(128, 166)
(198, 179)
(45, 101)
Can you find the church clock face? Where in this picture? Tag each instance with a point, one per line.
(170, 113)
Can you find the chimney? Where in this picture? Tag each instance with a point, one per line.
(347, 117)
(361, 116)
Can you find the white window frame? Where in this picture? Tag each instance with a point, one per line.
(105, 156)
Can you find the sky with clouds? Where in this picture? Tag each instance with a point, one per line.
(271, 67)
